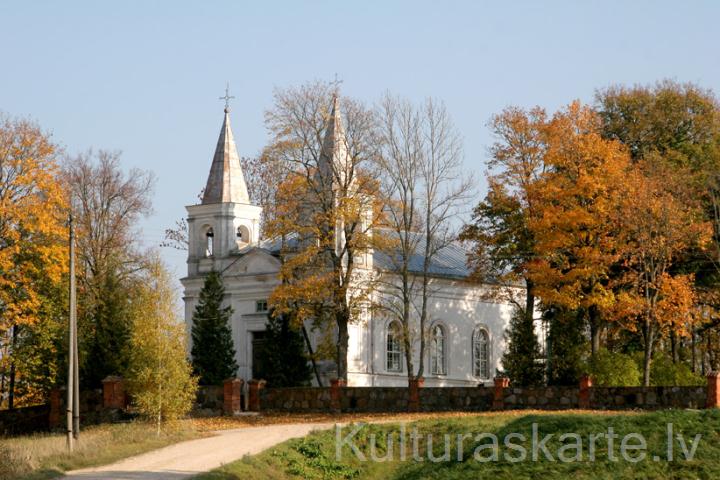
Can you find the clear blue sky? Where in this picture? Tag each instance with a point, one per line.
(144, 77)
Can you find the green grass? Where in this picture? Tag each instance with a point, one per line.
(44, 456)
(314, 457)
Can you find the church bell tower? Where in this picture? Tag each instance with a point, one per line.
(225, 222)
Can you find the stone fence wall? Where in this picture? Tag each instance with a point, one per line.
(236, 396)
(438, 399)
(502, 396)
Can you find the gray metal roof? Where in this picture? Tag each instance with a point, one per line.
(450, 261)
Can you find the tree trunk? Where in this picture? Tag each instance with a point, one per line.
(693, 339)
(674, 348)
(11, 386)
(649, 334)
(312, 355)
(529, 301)
(343, 319)
(423, 319)
(595, 330)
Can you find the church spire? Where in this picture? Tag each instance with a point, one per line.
(226, 182)
(334, 158)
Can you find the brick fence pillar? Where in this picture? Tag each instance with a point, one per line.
(584, 396)
(232, 391)
(713, 390)
(56, 407)
(336, 385)
(254, 387)
(501, 383)
(114, 393)
(414, 386)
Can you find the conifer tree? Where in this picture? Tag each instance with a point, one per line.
(284, 359)
(523, 351)
(213, 353)
(567, 346)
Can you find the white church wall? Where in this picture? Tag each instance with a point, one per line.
(459, 308)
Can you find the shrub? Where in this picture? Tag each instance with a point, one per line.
(610, 369)
(663, 372)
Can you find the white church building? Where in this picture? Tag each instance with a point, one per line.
(465, 341)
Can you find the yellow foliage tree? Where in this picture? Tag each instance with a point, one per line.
(327, 206)
(159, 375)
(33, 211)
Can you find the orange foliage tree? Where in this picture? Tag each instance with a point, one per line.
(33, 212)
(575, 226)
(658, 225)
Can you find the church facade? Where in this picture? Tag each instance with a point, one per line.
(465, 337)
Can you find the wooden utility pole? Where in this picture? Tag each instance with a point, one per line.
(72, 382)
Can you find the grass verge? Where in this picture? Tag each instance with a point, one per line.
(43, 456)
(314, 457)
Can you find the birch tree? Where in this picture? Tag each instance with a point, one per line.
(159, 374)
(425, 188)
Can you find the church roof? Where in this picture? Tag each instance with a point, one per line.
(449, 262)
(226, 182)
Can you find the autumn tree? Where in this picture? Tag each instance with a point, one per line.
(658, 226)
(327, 206)
(425, 189)
(159, 374)
(575, 228)
(677, 126)
(502, 242)
(33, 259)
(107, 203)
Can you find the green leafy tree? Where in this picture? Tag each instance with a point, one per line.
(520, 360)
(213, 352)
(284, 359)
(159, 374)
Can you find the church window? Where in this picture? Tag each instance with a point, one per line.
(393, 352)
(481, 353)
(438, 352)
(209, 242)
(261, 306)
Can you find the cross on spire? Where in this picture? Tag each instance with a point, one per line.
(227, 97)
(336, 84)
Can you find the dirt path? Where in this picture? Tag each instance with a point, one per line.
(183, 460)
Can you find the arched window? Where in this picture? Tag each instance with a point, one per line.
(209, 242)
(438, 351)
(393, 348)
(481, 353)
